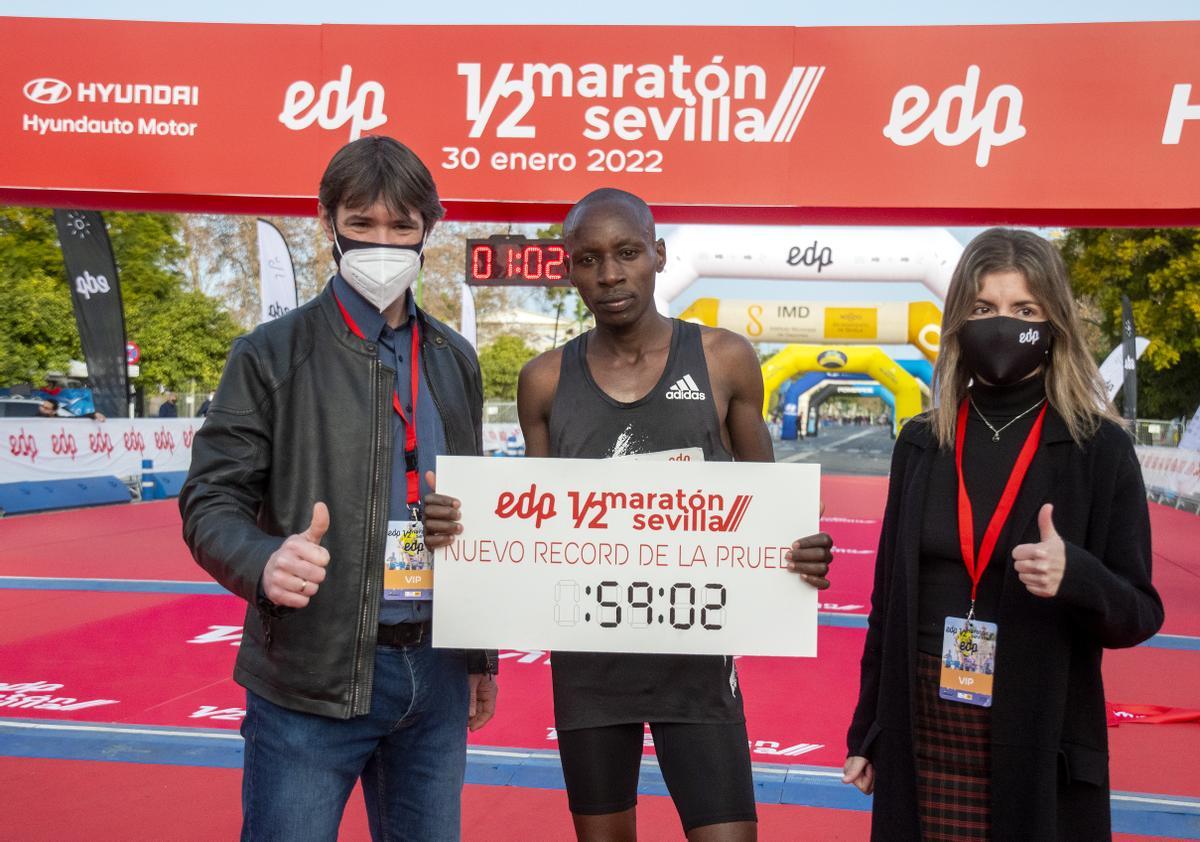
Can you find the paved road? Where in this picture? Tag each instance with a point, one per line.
(842, 450)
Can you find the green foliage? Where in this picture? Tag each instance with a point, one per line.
(37, 328)
(183, 336)
(501, 362)
(1159, 269)
(149, 254)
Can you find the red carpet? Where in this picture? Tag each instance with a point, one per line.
(165, 660)
(187, 804)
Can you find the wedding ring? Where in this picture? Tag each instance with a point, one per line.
(303, 585)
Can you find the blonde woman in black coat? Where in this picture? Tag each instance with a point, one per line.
(1015, 548)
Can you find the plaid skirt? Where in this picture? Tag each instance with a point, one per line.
(953, 754)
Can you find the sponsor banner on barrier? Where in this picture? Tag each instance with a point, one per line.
(926, 119)
(656, 556)
(1171, 469)
(501, 437)
(36, 449)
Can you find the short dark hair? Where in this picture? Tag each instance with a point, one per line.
(375, 167)
(612, 197)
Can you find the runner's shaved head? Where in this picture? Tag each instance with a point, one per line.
(610, 199)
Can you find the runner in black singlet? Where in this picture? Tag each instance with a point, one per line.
(639, 383)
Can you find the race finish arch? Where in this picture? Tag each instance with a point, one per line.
(938, 125)
(795, 399)
(790, 392)
(854, 389)
(897, 255)
(860, 359)
(891, 323)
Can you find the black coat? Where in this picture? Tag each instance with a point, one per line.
(303, 413)
(1049, 735)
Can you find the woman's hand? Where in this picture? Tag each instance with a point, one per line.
(1041, 566)
(860, 772)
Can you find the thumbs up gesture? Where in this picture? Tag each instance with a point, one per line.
(1041, 566)
(295, 571)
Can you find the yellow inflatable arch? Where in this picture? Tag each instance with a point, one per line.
(859, 359)
(918, 323)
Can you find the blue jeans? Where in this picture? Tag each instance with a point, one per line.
(410, 751)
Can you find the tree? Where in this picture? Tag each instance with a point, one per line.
(443, 273)
(184, 336)
(501, 362)
(1159, 269)
(37, 329)
(571, 316)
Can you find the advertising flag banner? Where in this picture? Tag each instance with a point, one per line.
(467, 324)
(277, 277)
(812, 125)
(1112, 370)
(1129, 357)
(675, 556)
(99, 314)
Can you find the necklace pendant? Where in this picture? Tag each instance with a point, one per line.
(996, 436)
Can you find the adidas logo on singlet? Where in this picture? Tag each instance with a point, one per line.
(685, 389)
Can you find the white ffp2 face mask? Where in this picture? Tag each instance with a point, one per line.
(379, 273)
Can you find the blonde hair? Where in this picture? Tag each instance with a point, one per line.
(1073, 383)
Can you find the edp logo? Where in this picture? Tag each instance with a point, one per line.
(88, 284)
(1028, 337)
(334, 106)
(907, 128)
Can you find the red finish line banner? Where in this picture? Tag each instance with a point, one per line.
(932, 122)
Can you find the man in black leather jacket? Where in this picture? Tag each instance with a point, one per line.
(305, 464)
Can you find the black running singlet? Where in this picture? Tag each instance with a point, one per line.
(596, 689)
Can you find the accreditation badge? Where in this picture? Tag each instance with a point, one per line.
(968, 661)
(407, 564)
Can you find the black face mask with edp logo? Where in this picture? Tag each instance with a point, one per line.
(1002, 350)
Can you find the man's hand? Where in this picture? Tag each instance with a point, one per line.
(482, 690)
(295, 571)
(442, 516)
(810, 557)
(1041, 566)
(860, 772)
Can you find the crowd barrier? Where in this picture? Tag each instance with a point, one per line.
(1171, 474)
(37, 454)
(56, 463)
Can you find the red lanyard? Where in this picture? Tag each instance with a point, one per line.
(966, 524)
(410, 426)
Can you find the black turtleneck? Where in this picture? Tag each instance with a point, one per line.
(944, 588)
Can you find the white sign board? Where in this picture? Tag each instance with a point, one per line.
(679, 557)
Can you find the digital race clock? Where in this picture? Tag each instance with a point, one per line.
(516, 261)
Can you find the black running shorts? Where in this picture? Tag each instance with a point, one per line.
(706, 769)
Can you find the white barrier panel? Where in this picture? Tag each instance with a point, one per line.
(495, 436)
(37, 449)
(1171, 469)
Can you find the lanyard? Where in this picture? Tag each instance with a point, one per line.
(410, 425)
(966, 525)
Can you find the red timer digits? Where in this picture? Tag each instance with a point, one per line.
(516, 261)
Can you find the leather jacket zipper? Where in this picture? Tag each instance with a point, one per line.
(364, 674)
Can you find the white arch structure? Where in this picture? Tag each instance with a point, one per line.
(901, 255)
